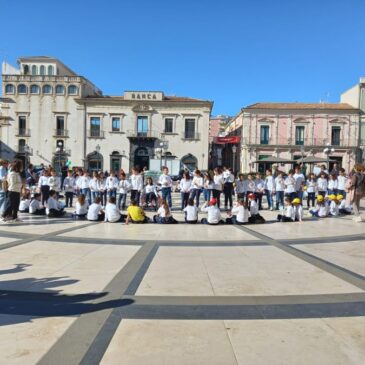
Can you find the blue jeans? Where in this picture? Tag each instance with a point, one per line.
(112, 193)
(94, 195)
(166, 195)
(207, 194)
(341, 192)
(330, 191)
(196, 193)
(121, 200)
(87, 193)
(279, 199)
(269, 198)
(184, 200)
(2, 200)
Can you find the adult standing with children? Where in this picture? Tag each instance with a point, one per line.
(355, 189)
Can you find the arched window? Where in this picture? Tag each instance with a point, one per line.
(22, 89)
(50, 70)
(72, 90)
(47, 89)
(34, 89)
(42, 70)
(190, 162)
(21, 145)
(26, 69)
(34, 70)
(9, 89)
(60, 89)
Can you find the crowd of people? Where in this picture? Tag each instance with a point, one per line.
(118, 197)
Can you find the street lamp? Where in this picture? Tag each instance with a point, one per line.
(327, 152)
(97, 149)
(26, 153)
(234, 150)
(59, 151)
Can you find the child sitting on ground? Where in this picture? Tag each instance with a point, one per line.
(239, 213)
(334, 210)
(112, 213)
(35, 206)
(25, 203)
(95, 212)
(255, 217)
(298, 209)
(214, 214)
(135, 214)
(54, 207)
(81, 207)
(164, 215)
(321, 209)
(343, 208)
(150, 191)
(289, 215)
(191, 212)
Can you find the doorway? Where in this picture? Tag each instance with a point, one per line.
(141, 158)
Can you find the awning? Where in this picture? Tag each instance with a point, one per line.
(274, 159)
(229, 140)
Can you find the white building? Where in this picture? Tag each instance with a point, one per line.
(53, 114)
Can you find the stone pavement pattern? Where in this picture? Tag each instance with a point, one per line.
(74, 292)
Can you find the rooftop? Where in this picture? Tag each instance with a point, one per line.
(302, 106)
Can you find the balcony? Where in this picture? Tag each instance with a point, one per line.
(61, 151)
(25, 150)
(191, 136)
(63, 133)
(22, 132)
(95, 134)
(144, 134)
(292, 142)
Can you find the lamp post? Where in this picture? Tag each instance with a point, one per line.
(234, 150)
(26, 153)
(327, 152)
(59, 151)
(97, 149)
(121, 161)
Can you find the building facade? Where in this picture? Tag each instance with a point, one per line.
(355, 96)
(293, 130)
(54, 115)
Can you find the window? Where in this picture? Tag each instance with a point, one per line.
(42, 70)
(299, 135)
(50, 70)
(169, 125)
(336, 136)
(72, 90)
(60, 144)
(9, 89)
(60, 126)
(21, 145)
(22, 89)
(34, 89)
(22, 125)
(264, 134)
(34, 70)
(47, 89)
(94, 127)
(60, 89)
(115, 124)
(26, 69)
(189, 128)
(142, 125)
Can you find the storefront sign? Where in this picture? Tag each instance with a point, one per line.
(143, 95)
(231, 139)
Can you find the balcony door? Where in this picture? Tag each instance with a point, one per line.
(142, 126)
(336, 136)
(264, 134)
(60, 126)
(22, 124)
(189, 128)
(299, 135)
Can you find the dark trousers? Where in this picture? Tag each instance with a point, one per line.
(69, 195)
(135, 195)
(44, 193)
(283, 218)
(150, 198)
(184, 200)
(101, 217)
(311, 198)
(103, 197)
(53, 213)
(12, 210)
(196, 193)
(217, 195)
(228, 190)
(40, 212)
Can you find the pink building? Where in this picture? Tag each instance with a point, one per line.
(293, 130)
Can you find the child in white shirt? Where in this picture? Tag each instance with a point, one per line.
(214, 214)
(112, 213)
(24, 203)
(255, 217)
(321, 209)
(185, 188)
(35, 206)
(124, 186)
(54, 207)
(164, 215)
(240, 213)
(289, 215)
(81, 207)
(69, 185)
(241, 187)
(322, 184)
(95, 212)
(150, 191)
(191, 212)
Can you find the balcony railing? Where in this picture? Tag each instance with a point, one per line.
(60, 133)
(190, 135)
(95, 134)
(61, 151)
(24, 150)
(41, 78)
(144, 134)
(292, 142)
(22, 132)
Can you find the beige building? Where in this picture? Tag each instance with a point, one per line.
(53, 115)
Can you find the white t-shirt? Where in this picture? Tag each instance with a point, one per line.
(290, 212)
(191, 213)
(124, 186)
(52, 204)
(214, 214)
(279, 184)
(269, 183)
(341, 182)
(83, 182)
(311, 186)
(93, 213)
(241, 214)
(165, 181)
(185, 185)
(34, 206)
(218, 182)
(162, 213)
(24, 204)
(240, 186)
(254, 209)
(289, 185)
(197, 182)
(322, 184)
(334, 208)
(112, 213)
(251, 186)
(299, 179)
(332, 184)
(299, 212)
(69, 184)
(81, 209)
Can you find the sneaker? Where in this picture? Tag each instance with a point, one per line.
(358, 219)
(271, 209)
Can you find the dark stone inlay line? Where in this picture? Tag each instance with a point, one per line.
(315, 240)
(82, 340)
(338, 271)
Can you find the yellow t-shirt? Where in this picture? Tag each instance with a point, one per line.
(136, 213)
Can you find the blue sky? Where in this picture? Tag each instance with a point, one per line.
(232, 52)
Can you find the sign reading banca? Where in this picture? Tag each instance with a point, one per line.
(143, 95)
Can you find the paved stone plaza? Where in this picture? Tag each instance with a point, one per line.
(74, 292)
